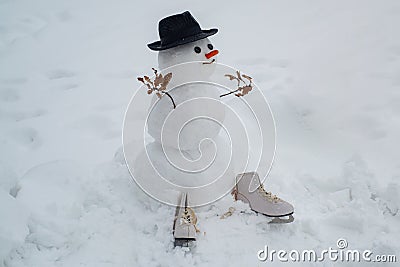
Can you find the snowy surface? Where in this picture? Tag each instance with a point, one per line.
(331, 71)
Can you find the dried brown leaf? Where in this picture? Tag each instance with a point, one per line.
(148, 80)
(140, 79)
(231, 77)
(246, 89)
(149, 91)
(167, 79)
(238, 75)
(158, 80)
(247, 77)
(159, 95)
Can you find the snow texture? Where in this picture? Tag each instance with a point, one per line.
(330, 70)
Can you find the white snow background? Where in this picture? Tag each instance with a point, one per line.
(330, 70)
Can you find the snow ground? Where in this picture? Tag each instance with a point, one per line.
(331, 71)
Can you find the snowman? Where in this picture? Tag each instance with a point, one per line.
(188, 144)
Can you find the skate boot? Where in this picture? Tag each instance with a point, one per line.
(185, 224)
(248, 188)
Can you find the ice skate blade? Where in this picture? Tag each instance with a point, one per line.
(277, 220)
(184, 242)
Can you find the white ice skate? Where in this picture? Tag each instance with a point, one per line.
(249, 189)
(185, 224)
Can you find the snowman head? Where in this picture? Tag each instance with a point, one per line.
(202, 51)
(182, 40)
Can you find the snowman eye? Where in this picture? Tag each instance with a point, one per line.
(210, 46)
(197, 49)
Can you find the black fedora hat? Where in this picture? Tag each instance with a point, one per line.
(177, 30)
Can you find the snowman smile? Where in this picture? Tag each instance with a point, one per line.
(209, 62)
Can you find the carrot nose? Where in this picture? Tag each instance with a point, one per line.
(211, 54)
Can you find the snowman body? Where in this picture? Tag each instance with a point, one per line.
(188, 148)
(164, 122)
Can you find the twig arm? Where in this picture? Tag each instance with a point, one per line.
(173, 102)
(232, 92)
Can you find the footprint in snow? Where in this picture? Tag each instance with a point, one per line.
(9, 95)
(68, 86)
(26, 137)
(20, 116)
(64, 16)
(12, 81)
(60, 74)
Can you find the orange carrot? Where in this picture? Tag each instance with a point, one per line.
(212, 53)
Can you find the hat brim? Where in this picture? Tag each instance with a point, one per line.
(157, 46)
